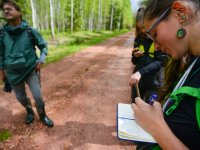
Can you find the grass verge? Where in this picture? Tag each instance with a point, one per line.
(64, 45)
(4, 135)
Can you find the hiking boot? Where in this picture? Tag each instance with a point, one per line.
(30, 115)
(44, 118)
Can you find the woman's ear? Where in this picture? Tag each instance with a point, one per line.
(182, 11)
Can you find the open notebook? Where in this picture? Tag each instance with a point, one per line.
(127, 128)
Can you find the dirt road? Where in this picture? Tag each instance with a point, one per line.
(81, 93)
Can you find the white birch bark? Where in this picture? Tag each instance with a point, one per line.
(91, 20)
(72, 15)
(52, 18)
(99, 15)
(82, 15)
(33, 13)
(111, 16)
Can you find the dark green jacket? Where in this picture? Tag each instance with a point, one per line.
(17, 52)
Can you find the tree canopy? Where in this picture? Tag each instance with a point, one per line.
(76, 15)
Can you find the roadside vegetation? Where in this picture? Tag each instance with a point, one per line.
(4, 135)
(65, 45)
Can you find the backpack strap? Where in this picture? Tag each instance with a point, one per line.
(178, 95)
(198, 111)
(31, 35)
(2, 32)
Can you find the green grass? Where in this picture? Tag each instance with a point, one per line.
(66, 44)
(4, 135)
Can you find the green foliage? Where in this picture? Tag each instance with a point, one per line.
(117, 15)
(89, 15)
(123, 16)
(77, 15)
(143, 2)
(4, 135)
(127, 15)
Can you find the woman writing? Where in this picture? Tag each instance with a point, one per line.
(175, 27)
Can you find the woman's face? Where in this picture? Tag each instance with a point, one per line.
(165, 35)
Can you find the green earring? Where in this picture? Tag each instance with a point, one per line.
(181, 33)
(183, 17)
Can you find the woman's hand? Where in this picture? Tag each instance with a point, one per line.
(137, 53)
(149, 117)
(135, 78)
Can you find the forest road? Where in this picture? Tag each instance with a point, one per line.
(81, 93)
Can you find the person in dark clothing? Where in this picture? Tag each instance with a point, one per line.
(148, 63)
(176, 125)
(19, 63)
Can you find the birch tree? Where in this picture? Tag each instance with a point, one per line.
(112, 13)
(32, 2)
(72, 15)
(52, 18)
(76, 15)
(99, 25)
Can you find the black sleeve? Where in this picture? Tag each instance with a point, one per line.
(156, 65)
(160, 56)
(152, 67)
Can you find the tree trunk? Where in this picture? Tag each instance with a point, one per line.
(52, 18)
(111, 16)
(72, 15)
(82, 15)
(99, 15)
(33, 14)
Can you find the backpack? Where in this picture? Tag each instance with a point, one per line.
(29, 31)
(177, 96)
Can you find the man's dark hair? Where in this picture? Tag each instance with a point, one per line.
(10, 2)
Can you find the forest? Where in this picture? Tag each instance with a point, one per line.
(58, 16)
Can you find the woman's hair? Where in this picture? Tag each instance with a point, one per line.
(139, 18)
(156, 7)
(10, 2)
(173, 70)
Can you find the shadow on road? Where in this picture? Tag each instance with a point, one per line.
(75, 134)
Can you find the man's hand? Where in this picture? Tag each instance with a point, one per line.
(2, 74)
(38, 66)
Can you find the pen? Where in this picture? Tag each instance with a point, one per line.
(152, 99)
(137, 90)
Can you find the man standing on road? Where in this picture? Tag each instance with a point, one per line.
(18, 59)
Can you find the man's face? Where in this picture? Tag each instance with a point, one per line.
(10, 13)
